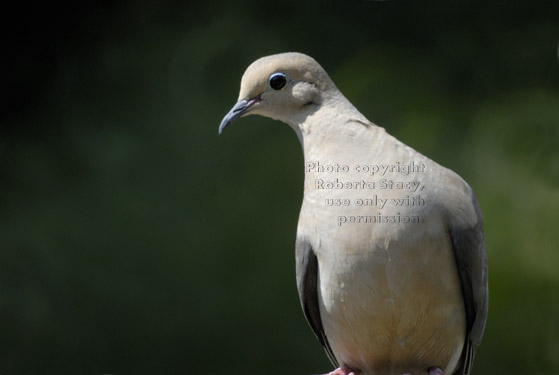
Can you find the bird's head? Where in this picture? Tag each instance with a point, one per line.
(286, 87)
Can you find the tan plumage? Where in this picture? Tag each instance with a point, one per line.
(382, 297)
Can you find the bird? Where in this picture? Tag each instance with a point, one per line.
(391, 264)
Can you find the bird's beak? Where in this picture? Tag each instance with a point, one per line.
(237, 111)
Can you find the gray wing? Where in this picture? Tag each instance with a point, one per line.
(471, 261)
(307, 284)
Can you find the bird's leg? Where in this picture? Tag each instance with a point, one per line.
(343, 371)
(435, 371)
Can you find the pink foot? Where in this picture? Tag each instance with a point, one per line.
(342, 371)
(435, 371)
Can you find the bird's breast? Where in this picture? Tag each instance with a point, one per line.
(389, 292)
(390, 306)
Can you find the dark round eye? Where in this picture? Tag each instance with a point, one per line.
(278, 81)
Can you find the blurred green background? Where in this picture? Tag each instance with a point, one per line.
(135, 240)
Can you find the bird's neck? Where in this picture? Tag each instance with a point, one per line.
(319, 123)
(332, 136)
(337, 123)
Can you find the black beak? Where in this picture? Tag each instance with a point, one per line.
(237, 111)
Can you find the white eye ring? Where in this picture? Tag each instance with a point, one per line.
(277, 81)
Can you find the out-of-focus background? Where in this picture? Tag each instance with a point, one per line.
(135, 240)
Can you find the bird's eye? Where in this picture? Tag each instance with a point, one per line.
(278, 81)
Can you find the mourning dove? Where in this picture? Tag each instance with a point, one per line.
(390, 254)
